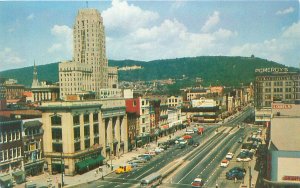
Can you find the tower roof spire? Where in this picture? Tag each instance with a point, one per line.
(35, 81)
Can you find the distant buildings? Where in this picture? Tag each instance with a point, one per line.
(21, 148)
(42, 91)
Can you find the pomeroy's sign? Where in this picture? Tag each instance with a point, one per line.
(282, 106)
(272, 69)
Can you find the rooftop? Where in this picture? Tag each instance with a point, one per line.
(285, 133)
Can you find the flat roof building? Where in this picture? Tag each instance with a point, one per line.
(284, 146)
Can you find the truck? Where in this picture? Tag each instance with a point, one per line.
(200, 130)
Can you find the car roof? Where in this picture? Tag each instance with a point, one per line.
(224, 161)
(197, 179)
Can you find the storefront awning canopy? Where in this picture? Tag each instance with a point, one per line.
(85, 164)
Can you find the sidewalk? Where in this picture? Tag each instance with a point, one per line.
(69, 181)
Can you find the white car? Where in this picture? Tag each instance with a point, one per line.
(229, 155)
(158, 150)
(224, 163)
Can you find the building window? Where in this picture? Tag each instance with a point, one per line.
(5, 154)
(1, 140)
(18, 135)
(4, 137)
(14, 135)
(86, 131)
(77, 146)
(57, 147)
(96, 128)
(77, 133)
(1, 156)
(144, 129)
(56, 120)
(96, 140)
(56, 134)
(143, 120)
(9, 136)
(95, 117)
(87, 143)
(86, 118)
(76, 120)
(134, 103)
(10, 154)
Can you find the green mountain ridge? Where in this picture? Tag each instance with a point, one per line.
(225, 70)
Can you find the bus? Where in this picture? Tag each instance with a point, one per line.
(152, 180)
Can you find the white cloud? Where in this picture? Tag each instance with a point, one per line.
(284, 49)
(285, 11)
(55, 47)
(63, 40)
(177, 4)
(211, 22)
(9, 59)
(123, 18)
(30, 17)
(170, 39)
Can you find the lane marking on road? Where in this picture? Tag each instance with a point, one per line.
(100, 185)
(144, 173)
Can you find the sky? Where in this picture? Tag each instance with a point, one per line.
(41, 32)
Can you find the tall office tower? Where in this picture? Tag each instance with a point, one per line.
(88, 72)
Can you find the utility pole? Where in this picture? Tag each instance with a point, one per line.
(61, 167)
(250, 176)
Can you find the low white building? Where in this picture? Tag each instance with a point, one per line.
(284, 147)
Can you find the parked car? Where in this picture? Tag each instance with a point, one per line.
(189, 131)
(147, 157)
(229, 155)
(151, 153)
(245, 156)
(224, 163)
(179, 140)
(158, 150)
(133, 164)
(196, 144)
(198, 182)
(240, 140)
(235, 172)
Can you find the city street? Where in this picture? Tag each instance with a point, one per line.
(202, 161)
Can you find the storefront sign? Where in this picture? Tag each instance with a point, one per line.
(291, 178)
(272, 69)
(282, 106)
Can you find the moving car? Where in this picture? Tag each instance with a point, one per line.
(198, 182)
(224, 163)
(229, 155)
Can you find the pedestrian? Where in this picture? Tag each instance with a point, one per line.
(235, 180)
(217, 185)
